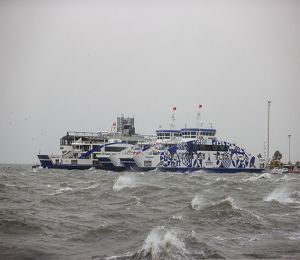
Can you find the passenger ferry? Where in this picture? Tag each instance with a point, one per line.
(197, 149)
(83, 150)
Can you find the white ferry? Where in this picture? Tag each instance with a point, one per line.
(82, 150)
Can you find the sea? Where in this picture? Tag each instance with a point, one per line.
(95, 214)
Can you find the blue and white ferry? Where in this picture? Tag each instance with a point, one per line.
(199, 149)
(205, 152)
(195, 149)
(84, 150)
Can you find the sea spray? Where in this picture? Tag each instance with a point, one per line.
(163, 244)
(197, 203)
(125, 181)
(282, 195)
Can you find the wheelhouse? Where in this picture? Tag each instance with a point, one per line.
(193, 133)
(167, 134)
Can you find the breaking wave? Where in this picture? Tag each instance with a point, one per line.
(163, 244)
(61, 190)
(263, 176)
(283, 195)
(197, 203)
(126, 181)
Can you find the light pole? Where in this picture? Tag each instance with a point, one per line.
(268, 141)
(289, 148)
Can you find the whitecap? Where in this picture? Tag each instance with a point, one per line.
(9, 185)
(294, 236)
(162, 243)
(226, 202)
(263, 176)
(282, 195)
(61, 190)
(126, 181)
(93, 186)
(177, 217)
(197, 202)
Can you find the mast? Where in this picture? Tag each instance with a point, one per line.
(199, 119)
(172, 122)
(268, 139)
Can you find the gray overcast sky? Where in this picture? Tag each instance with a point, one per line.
(76, 65)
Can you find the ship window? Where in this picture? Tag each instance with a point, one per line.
(86, 148)
(147, 163)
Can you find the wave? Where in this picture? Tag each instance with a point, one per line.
(197, 202)
(224, 204)
(61, 190)
(263, 176)
(126, 181)
(95, 234)
(294, 236)
(222, 208)
(161, 244)
(283, 195)
(18, 227)
(177, 217)
(93, 186)
(53, 200)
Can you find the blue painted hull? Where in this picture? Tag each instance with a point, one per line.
(110, 167)
(47, 163)
(210, 170)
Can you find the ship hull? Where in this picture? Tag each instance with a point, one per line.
(211, 170)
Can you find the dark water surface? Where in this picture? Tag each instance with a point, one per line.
(93, 214)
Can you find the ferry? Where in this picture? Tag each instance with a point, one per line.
(84, 150)
(208, 153)
(119, 157)
(196, 149)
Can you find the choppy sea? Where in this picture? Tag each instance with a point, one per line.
(94, 214)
